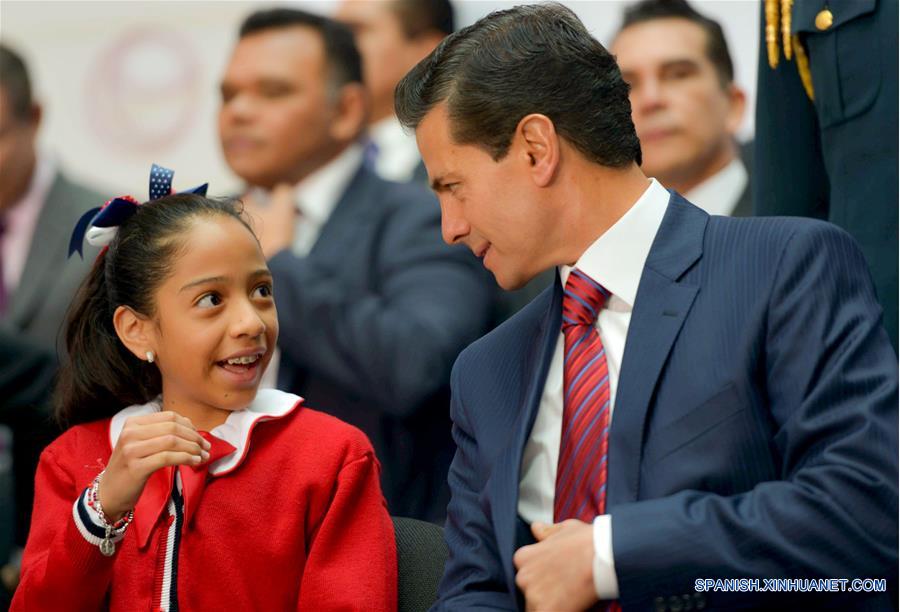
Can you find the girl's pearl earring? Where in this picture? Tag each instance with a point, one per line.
(150, 356)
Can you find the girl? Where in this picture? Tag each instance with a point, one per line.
(204, 493)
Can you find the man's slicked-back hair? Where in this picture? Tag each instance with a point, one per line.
(417, 17)
(527, 59)
(340, 49)
(716, 46)
(15, 82)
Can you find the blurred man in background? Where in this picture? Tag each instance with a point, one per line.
(393, 36)
(373, 307)
(39, 206)
(685, 104)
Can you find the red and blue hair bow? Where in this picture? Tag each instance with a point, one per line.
(100, 224)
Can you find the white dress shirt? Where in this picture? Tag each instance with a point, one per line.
(316, 197)
(398, 155)
(616, 261)
(719, 194)
(318, 194)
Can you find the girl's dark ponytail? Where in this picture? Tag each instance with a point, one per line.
(100, 375)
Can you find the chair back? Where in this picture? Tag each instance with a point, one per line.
(421, 555)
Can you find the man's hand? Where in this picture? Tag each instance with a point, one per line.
(557, 573)
(274, 221)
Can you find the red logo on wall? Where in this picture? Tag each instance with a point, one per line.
(144, 91)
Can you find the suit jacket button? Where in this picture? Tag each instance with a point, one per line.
(675, 604)
(660, 604)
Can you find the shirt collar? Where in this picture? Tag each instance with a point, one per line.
(319, 193)
(269, 404)
(41, 180)
(398, 154)
(22, 219)
(616, 259)
(31, 203)
(719, 194)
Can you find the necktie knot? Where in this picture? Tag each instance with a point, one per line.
(582, 300)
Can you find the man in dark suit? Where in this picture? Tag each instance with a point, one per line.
(685, 104)
(373, 307)
(826, 125)
(696, 397)
(39, 206)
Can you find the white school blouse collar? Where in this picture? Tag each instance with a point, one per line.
(269, 404)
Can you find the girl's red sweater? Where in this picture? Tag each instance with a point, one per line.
(298, 521)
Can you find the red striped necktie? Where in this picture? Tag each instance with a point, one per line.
(581, 470)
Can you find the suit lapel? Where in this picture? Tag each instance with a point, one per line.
(503, 486)
(46, 257)
(347, 222)
(661, 306)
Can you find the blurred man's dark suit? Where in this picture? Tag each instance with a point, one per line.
(50, 278)
(31, 332)
(26, 378)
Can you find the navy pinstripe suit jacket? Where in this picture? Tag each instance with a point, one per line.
(755, 431)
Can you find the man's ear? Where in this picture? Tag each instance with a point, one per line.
(135, 331)
(537, 143)
(737, 104)
(351, 112)
(35, 114)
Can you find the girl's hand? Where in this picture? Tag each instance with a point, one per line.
(147, 443)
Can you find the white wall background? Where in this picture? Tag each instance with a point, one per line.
(124, 84)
